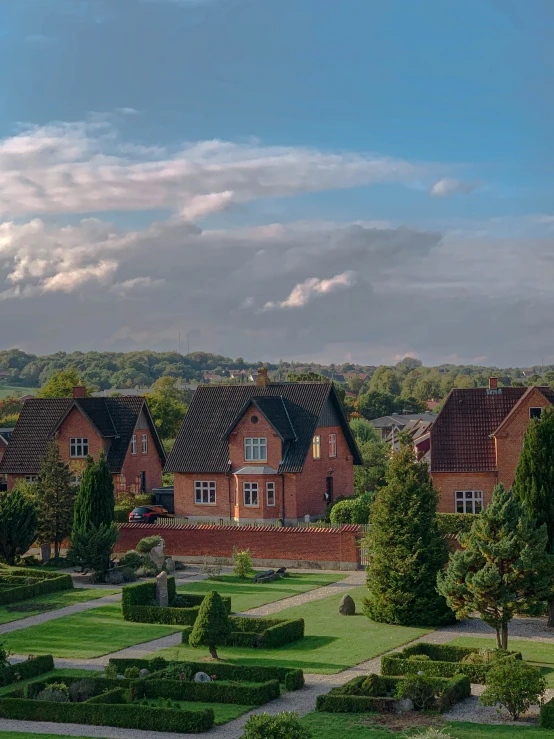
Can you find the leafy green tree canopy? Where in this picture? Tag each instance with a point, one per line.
(61, 384)
(167, 405)
(18, 523)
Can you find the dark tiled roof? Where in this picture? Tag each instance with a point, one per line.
(401, 419)
(114, 418)
(461, 436)
(202, 444)
(275, 410)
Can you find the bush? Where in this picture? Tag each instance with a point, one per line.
(55, 692)
(91, 547)
(132, 673)
(130, 559)
(121, 513)
(4, 654)
(374, 685)
(81, 690)
(420, 689)
(113, 696)
(25, 670)
(146, 545)
(546, 715)
(242, 563)
(282, 726)
(211, 628)
(514, 685)
(352, 510)
(137, 605)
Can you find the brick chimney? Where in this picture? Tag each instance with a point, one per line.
(493, 383)
(262, 380)
(79, 391)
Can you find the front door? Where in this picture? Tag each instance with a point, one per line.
(329, 490)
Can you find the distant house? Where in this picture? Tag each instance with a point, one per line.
(398, 421)
(4, 439)
(477, 439)
(420, 432)
(262, 452)
(121, 427)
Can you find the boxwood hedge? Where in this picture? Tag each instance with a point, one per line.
(260, 633)
(546, 715)
(218, 691)
(27, 669)
(138, 603)
(22, 583)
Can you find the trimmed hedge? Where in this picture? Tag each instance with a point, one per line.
(138, 604)
(116, 695)
(16, 590)
(130, 716)
(101, 684)
(454, 524)
(25, 670)
(121, 513)
(444, 661)
(546, 715)
(219, 691)
(259, 633)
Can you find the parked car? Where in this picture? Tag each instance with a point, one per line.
(148, 514)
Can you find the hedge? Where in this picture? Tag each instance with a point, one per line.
(546, 715)
(101, 684)
(444, 661)
(25, 670)
(121, 513)
(260, 633)
(129, 716)
(115, 695)
(454, 524)
(138, 604)
(218, 691)
(48, 582)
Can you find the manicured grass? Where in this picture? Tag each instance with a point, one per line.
(247, 594)
(60, 599)
(332, 642)
(537, 653)
(53, 675)
(85, 635)
(223, 712)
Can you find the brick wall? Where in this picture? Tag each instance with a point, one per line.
(134, 464)
(269, 546)
(448, 482)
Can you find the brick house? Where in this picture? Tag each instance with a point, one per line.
(477, 439)
(263, 452)
(122, 427)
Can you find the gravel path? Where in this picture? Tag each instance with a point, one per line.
(472, 711)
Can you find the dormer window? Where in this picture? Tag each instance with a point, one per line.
(255, 449)
(535, 412)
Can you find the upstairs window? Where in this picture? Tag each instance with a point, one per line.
(332, 445)
(316, 447)
(145, 443)
(469, 501)
(78, 447)
(255, 450)
(134, 444)
(535, 412)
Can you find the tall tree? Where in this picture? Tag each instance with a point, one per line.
(534, 482)
(95, 502)
(61, 384)
(168, 406)
(18, 524)
(375, 404)
(406, 550)
(503, 569)
(55, 499)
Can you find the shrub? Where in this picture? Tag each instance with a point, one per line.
(213, 569)
(130, 559)
(482, 657)
(113, 696)
(352, 510)
(146, 545)
(4, 654)
(91, 546)
(121, 513)
(374, 685)
(25, 670)
(132, 673)
(242, 563)
(419, 689)
(212, 627)
(514, 685)
(81, 690)
(282, 726)
(55, 692)
(546, 715)
(454, 524)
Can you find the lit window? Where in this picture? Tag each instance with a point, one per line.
(145, 443)
(204, 492)
(332, 445)
(255, 450)
(134, 444)
(31, 478)
(535, 412)
(78, 447)
(316, 447)
(270, 491)
(250, 490)
(469, 501)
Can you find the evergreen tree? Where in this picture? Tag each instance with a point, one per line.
(503, 569)
(95, 500)
(534, 482)
(211, 628)
(406, 550)
(92, 546)
(55, 498)
(18, 524)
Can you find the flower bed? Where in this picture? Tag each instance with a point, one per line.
(444, 660)
(20, 583)
(260, 633)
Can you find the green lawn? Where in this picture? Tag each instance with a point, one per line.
(223, 712)
(50, 602)
(332, 642)
(247, 595)
(54, 675)
(84, 635)
(537, 653)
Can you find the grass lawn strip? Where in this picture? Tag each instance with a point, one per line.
(85, 635)
(247, 595)
(332, 642)
(58, 600)
(223, 712)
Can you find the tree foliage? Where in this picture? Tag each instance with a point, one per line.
(371, 474)
(515, 685)
(18, 524)
(61, 384)
(95, 500)
(355, 509)
(167, 404)
(91, 547)
(55, 499)
(503, 569)
(406, 550)
(212, 627)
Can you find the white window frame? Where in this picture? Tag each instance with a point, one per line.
(535, 408)
(270, 494)
(471, 501)
(316, 447)
(332, 446)
(255, 445)
(251, 489)
(78, 448)
(203, 490)
(76, 479)
(31, 478)
(145, 443)
(134, 444)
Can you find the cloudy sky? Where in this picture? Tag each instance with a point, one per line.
(296, 179)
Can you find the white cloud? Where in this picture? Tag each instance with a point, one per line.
(202, 205)
(305, 291)
(448, 186)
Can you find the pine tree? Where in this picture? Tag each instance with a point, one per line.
(95, 500)
(55, 499)
(503, 569)
(406, 550)
(534, 482)
(18, 524)
(211, 628)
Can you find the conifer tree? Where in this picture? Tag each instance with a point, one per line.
(406, 549)
(211, 628)
(55, 499)
(95, 500)
(503, 569)
(534, 482)
(18, 524)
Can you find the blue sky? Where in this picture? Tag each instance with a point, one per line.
(415, 136)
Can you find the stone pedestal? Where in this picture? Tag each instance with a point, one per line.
(162, 596)
(45, 552)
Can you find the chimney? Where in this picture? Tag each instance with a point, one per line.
(262, 379)
(79, 391)
(493, 383)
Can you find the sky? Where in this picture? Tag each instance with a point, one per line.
(279, 179)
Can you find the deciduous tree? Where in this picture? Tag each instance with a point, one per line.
(61, 384)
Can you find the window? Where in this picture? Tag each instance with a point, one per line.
(332, 445)
(469, 501)
(134, 444)
(535, 412)
(204, 493)
(255, 450)
(145, 443)
(316, 447)
(270, 492)
(250, 490)
(78, 447)
(31, 478)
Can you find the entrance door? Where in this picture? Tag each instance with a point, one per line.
(329, 490)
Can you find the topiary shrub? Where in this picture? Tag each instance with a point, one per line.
(514, 685)
(420, 689)
(146, 545)
(212, 627)
(284, 725)
(374, 685)
(242, 563)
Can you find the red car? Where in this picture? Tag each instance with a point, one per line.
(148, 514)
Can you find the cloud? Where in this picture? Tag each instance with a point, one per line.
(202, 205)
(305, 291)
(448, 186)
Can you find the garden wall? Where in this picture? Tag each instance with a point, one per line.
(313, 548)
